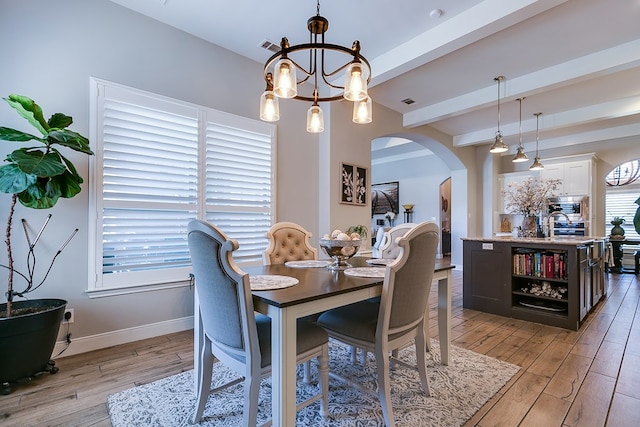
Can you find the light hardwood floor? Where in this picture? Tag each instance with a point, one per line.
(586, 378)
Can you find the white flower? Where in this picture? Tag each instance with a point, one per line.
(529, 197)
(390, 215)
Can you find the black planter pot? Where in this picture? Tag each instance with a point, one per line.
(27, 341)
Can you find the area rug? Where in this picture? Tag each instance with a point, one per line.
(457, 392)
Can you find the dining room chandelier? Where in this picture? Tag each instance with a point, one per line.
(520, 154)
(498, 144)
(281, 70)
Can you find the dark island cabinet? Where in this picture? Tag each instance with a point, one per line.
(534, 281)
(487, 279)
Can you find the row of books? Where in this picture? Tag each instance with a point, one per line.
(545, 264)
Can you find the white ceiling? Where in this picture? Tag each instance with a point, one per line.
(575, 61)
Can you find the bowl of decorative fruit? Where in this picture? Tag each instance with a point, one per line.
(340, 246)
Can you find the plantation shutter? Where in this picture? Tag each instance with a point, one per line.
(161, 163)
(238, 184)
(620, 201)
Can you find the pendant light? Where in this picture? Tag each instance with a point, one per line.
(498, 145)
(520, 155)
(536, 165)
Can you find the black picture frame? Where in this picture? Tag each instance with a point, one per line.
(353, 184)
(385, 197)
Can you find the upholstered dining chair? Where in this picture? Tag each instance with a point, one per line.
(398, 320)
(388, 247)
(288, 241)
(233, 332)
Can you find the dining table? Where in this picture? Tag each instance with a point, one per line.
(318, 289)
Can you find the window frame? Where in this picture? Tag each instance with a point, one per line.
(147, 280)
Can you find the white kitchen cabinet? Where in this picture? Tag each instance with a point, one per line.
(575, 177)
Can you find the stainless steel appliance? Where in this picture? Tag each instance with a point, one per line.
(571, 215)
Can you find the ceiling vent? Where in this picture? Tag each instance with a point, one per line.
(408, 101)
(270, 46)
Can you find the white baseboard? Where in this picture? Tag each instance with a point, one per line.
(123, 336)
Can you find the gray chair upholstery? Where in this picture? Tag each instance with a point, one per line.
(288, 241)
(233, 333)
(398, 320)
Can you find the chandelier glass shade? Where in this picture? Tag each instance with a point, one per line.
(520, 155)
(318, 64)
(498, 144)
(537, 165)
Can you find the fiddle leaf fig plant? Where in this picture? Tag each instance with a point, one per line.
(39, 174)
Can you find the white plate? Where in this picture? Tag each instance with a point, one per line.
(380, 261)
(365, 272)
(307, 264)
(269, 282)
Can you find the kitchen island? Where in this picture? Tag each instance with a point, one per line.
(555, 281)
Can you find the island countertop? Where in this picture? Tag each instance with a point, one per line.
(556, 240)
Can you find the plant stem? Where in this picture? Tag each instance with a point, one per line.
(7, 241)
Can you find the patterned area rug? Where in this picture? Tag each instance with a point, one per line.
(457, 392)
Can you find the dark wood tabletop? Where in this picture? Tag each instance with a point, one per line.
(316, 282)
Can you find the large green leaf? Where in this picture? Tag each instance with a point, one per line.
(636, 218)
(8, 134)
(13, 180)
(38, 163)
(66, 185)
(36, 197)
(71, 168)
(60, 121)
(28, 109)
(71, 139)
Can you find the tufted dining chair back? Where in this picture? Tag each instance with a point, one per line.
(288, 241)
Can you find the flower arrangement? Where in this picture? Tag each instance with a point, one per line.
(390, 216)
(529, 197)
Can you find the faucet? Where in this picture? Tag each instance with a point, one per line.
(552, 223)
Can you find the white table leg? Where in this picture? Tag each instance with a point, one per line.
(283, 365)
(444, 316)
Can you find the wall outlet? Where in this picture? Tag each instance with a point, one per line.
(68, 316)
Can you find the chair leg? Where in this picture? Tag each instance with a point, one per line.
(251, 392)
(204, 382)
(306, 376)
(384, 388)
(426, 329)
(422, 362)
(323, 380)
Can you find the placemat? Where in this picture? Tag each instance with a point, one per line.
(380, 261)
(307, 263)
(365, 271)
(269, 282)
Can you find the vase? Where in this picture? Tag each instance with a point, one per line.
(529, 226)
(617, 230)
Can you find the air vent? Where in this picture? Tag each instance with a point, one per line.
(270, 46)
(408, 101)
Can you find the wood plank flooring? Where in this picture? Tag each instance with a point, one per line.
(586, 378)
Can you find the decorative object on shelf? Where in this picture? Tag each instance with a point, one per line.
(529, 199)
(408, 212)
(353, 185)
(391, 216)
(385, 197)
(282, 82)
(498, 145)
(537, 165)
(617, 232)
(520, 155)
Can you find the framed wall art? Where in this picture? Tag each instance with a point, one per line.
(385, 198)
(353, 185)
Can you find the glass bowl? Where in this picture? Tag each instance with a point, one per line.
(340, 251)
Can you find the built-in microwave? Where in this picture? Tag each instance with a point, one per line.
(571, 215)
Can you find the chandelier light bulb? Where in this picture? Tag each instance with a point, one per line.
(284, 79)
(269, 107)
(315, 119)
(355, 85)
(362, 111)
